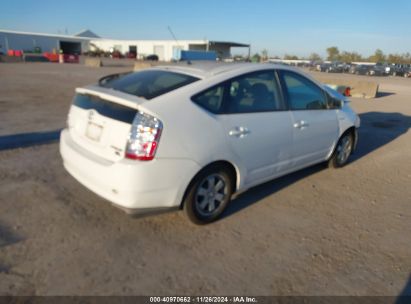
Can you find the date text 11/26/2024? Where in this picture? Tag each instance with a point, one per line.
(203, 299)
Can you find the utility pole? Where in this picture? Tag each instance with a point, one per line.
(174, 36)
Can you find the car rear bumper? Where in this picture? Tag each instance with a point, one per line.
(136, 187)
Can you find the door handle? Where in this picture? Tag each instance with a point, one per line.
(239, 132)
(301, 124)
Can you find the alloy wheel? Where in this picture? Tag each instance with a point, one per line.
(210, 194)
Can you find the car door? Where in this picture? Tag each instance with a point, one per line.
(257, 126)
(315, 126)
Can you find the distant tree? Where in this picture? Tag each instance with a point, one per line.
(256, 58)
(395, 58)
(333, 53)
(264, 55)
(378, 56)
(350, 57)
(314, 57)
(290, 57)
(239, 58)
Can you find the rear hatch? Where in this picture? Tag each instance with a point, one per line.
(101, 116)
(100, 121)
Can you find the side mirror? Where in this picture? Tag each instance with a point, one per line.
(334, 103)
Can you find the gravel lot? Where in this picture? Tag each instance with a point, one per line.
(315, 232)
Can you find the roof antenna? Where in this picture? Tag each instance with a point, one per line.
(174, 36)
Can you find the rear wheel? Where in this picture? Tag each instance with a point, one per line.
(342, 151)
(208, 195)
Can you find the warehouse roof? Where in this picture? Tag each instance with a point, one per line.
(87, 33)
(43, 34)
(231, 44)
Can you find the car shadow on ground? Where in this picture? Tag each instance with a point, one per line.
(377, 130)
(7, 237)
(384, 94)
(405, 296)
(23, 140)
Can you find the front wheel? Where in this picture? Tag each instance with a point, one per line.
(208, 195)
(342, 151)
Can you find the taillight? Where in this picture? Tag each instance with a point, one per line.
(144, 137)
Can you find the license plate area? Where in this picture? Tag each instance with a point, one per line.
(94, 131)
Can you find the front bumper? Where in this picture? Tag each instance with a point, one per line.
(136, 187)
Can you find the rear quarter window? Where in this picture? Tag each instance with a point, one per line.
(211, 99)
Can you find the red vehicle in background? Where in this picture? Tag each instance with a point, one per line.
(51, 57)
(131, 55)
(67, 58)
(116, 54)
(71, 58)
(15, 53)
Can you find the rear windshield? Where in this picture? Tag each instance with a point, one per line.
(149, 84)
(105, 107)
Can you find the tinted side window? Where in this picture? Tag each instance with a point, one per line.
(302, 93)
(254, 92)
(211, 99)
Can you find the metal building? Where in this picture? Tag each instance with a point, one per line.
(38, 42)
(86, 40)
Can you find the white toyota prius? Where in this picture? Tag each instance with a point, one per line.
(190, 136)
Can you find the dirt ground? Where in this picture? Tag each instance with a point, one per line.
(315, 232)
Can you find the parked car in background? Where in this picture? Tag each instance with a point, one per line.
(390, 69)
(190, 136)
(151, 57)
(323, 67)
(377, 70)
(346, 67)
(400, 70)
(360, 69)
(335, 67)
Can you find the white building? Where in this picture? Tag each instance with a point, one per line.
(166, 50)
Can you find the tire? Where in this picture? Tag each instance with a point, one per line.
(342, 152)
(208, 195)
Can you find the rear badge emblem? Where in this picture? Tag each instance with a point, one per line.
(91, 114)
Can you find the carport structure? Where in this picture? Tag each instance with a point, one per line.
(222, 48)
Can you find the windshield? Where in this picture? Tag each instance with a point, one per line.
(150, 83)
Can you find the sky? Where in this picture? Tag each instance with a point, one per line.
(295, 27)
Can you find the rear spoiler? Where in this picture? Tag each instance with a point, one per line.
(104, 80)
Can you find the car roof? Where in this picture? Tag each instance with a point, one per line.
(206, 69)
